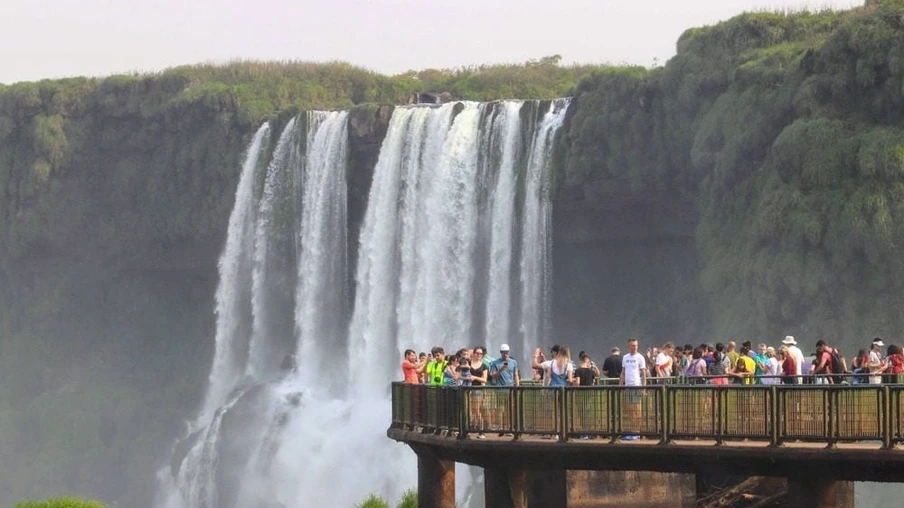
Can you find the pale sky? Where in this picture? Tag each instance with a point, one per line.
(60, 38)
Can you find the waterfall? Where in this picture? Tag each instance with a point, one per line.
(536, 276)
(321, 295)
(453, 251)
(231, 296)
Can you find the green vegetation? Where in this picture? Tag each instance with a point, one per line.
(408, 500)
(59, 502)
(785, 131)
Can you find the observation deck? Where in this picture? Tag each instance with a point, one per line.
(818, 437)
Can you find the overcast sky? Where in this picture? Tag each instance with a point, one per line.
(58, 38)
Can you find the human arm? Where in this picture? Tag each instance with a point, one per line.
(517, 378)
(537, 360)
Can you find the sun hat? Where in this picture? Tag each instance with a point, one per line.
(789, 340)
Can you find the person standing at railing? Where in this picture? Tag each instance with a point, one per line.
(895, 361)
(540, 365)
(796, 354)
(478, 378)
(732, 354)
(436, 367)
(504, 371)
(612, 365)
(696, 369)
(664, 362)
(761, 360)
(411, 368)
(560, 371)
(634, 374)
(876, 365)
(744, 369)
(827, 363)
(789, 366)
(772, 369)
(720, 366)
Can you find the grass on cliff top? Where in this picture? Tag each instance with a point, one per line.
(60, 502)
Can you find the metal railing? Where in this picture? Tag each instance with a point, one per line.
(773, 413)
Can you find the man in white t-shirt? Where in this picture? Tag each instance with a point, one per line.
(634, 373)
(664, 361)
(798, 355)
(876, 365)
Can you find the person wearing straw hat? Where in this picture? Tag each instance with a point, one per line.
(796, 353)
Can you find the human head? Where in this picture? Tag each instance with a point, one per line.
(820, 345)
(422, 356)
(438, 353)
(633, 344)
(731, 345)
(668, 348)
(877, 344)
(564, 354)
(770, 351)
(554, 351)
(504, 351)
(616, 351)
(479, 353)
(410, 355)
(697, 353)
(720, 347)
(763, 349)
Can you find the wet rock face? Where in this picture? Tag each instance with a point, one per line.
(625, 264)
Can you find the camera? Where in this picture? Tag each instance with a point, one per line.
(505, 364)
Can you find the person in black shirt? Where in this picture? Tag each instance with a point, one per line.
(585, 373)
(612, 366)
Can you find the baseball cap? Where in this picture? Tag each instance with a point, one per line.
(504, 348)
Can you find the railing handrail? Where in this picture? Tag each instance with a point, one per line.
(773, 413)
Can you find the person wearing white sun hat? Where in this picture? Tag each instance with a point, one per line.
(876, 364)
(794, 351)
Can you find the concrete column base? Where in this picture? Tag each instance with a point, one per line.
(435, 482)
(820, 493)
(505, 488)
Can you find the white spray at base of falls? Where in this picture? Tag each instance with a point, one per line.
(441, 259)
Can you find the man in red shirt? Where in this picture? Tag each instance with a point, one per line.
(824, 361)
(411, 367)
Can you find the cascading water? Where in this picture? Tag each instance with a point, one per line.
(454, 242)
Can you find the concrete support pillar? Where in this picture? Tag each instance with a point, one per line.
(505, 488)
(820, 493)
(549, 489)
(435, 482)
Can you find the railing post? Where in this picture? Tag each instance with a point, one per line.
(831, 406)
(666, 414)
(887, 404)
(612, 394)
(516, 416)
(564, 416)
(775, 407)
(720, 395)
(662, 408)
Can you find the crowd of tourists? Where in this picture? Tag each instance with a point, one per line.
(707, 363)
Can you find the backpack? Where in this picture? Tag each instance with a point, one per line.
(837, 366)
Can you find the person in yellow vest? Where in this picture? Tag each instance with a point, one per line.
(436, 367)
